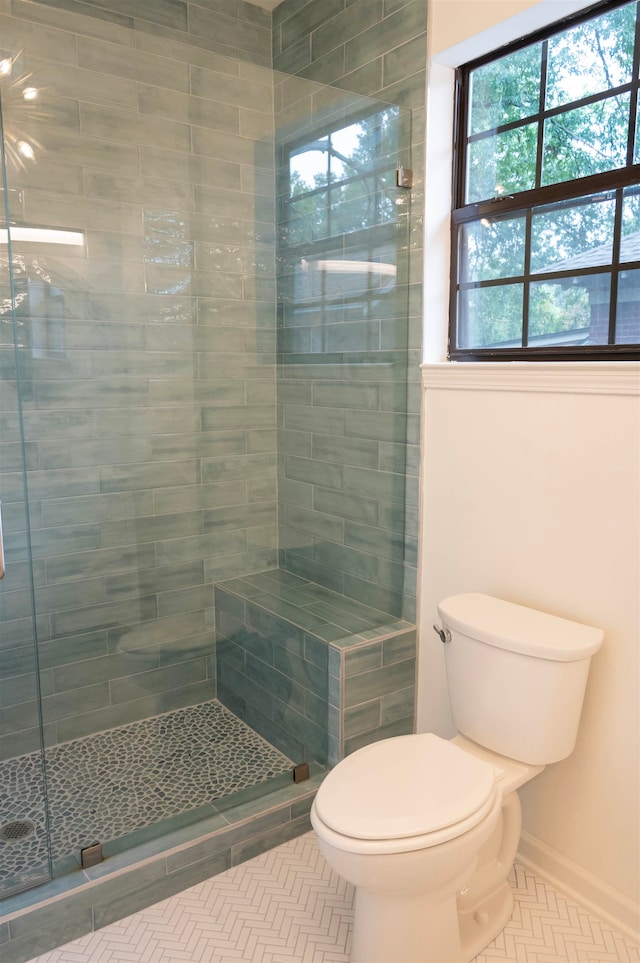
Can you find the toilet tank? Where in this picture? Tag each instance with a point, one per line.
(516, 676)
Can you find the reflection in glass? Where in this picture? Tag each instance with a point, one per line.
(569, 311)
(18, 102)
(308, 169)
(306, 219)
(339, 183)
(338, 280)
(573, 235)
(585, 141)
(628, 313)
(492, 248)
(339, 155)
(491, 316)
(505, 90)
(25, 854)
(346, 144)
(502, 164)
(342, 241)
(591, 57)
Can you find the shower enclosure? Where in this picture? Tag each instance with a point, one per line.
(203, 336)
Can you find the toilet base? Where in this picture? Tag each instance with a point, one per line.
(412, 930)
(480, 926)
(451, 920)
(435, 904)
(405, 929)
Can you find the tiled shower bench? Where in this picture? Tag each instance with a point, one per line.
(314, 672)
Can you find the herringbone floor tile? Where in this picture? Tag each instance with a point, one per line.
(287, 906)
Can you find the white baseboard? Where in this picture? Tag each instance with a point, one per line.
(582, 887)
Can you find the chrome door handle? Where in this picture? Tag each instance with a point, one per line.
(2, 568)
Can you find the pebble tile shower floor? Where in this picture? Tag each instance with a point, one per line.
(105, 786)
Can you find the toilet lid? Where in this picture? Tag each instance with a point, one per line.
(404, 786)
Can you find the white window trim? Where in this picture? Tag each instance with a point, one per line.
(551, 377)
(441, 67)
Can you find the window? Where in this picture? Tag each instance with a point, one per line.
(546, 220)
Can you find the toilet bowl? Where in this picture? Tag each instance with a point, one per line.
(404, 821)
(426, 829)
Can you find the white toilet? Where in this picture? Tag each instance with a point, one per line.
(427, 829)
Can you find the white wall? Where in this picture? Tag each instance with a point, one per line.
(531, 492)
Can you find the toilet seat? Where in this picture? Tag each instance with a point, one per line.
(406, 792)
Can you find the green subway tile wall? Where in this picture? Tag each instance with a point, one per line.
(348, 376)
(146, 352)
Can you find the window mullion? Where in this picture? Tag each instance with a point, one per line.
(526, 288)
(527, 280)
(615, 272)
(541, 106)
(459, 263)
(328, 201)
(634, 135)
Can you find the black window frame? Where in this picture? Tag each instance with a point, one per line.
(525, 202)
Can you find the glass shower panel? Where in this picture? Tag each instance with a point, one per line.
(142, 212)
(343, 261)
(143, 207)
(24, 835)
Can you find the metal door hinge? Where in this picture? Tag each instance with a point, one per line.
(404, 177)
(91, 855)
(301, 772)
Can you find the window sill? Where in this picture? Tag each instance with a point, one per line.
(593, 378)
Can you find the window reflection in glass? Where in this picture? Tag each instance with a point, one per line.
(630, 239)
(628, 312)
(491, 317)
(567, 311)
(493, 248)
(339, 182)
(573, 235)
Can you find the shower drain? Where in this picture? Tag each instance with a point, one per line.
(17, 830)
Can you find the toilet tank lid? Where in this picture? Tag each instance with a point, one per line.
(517, 628)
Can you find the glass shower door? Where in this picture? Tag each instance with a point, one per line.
(144, 285)
(24, 832)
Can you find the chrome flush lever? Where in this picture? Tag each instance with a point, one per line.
(2, 569)
(445, 634)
